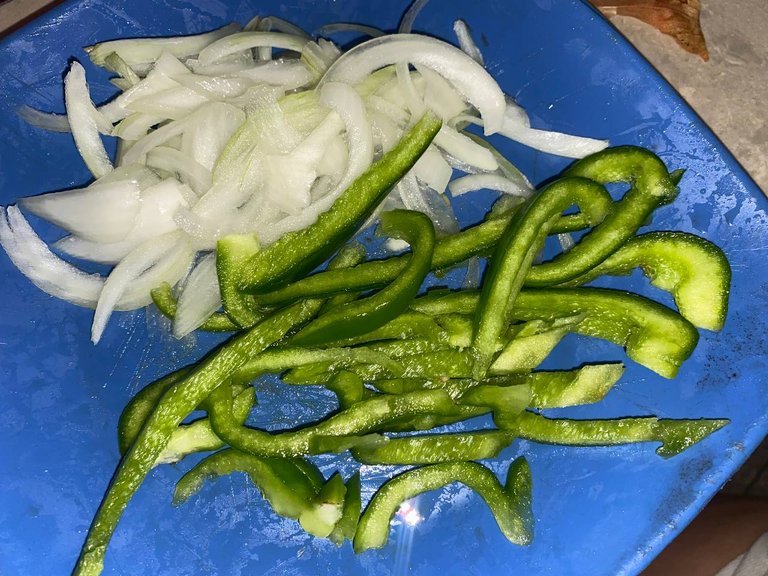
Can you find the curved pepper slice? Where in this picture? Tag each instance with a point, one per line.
(299, 252)
(510, 504)
(694, 270)
(358, 419)
(513, 257)
(283, 482)
(363, 316)
(175, 405)
(651, 187)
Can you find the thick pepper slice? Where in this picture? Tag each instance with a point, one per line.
(367, 314)
(695, 271)
(175, 405)
(651, 187)
(510, 504)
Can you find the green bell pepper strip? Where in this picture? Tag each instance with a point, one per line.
(436, 448)
(349, 389)
(409, 324)
(275, 360)
(675, 435)
(585, 385)
(196, 436)
(513, 257)
(477, 240)
(165, 301)
(283, 482)
(367, 314)
(360, 418)
(549, 389)
(652, 335)
(232, 253)
(322, 515)
(651, 187)
(510, 504)
(695, 271)
(175, 405)
(298, 252)
(141, 406)
(347, 526)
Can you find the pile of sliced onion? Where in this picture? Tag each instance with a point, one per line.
(254, 130)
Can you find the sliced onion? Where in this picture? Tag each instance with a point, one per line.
(424, 199)
(162, 259)
(135, 126)
(100, 212)
(47, 271)
(349, 106)
(176, 162)
(172, 104)
(466, 43)
(85, 121)
(413, 99)
(209, 130)
(214, 87)
(44, 120)
(336, 27)
(270, 23)
(138, 51)
(241, 41)
(495, 182)
(159, 204)
(199, 299)
(438, 95)
(466, 75)
(288, 74)
(406, 24)
(433, 170)
(464, 149)
(566, 145)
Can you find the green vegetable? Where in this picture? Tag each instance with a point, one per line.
(510, 504)
(651, 186)
(175, 405)
(513, 257)
(695, 271)
(362, 316)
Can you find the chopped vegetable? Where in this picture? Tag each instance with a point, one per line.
(241, 170)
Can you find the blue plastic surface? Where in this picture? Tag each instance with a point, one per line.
(599, 511)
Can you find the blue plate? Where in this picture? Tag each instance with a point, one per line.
(599, 511)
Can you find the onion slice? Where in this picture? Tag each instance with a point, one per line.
(199, 299)
(466, 75)
(44, 269)
(86, 122)
(163, 259)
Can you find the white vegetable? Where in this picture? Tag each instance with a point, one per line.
(199, 299)
(466, 43)
(86, 122)
(139, 51)
(241, 41)
(100, 212)
(47, 271)
(464, 74)
(495, 182)
(163, 259)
